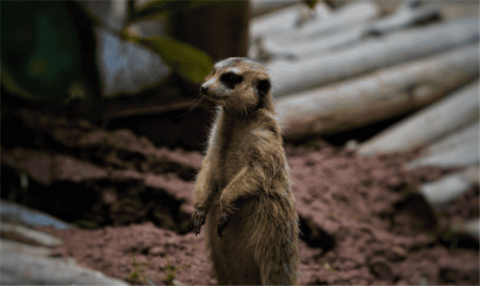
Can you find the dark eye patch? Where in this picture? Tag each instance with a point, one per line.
(263, 87)
(230, 79)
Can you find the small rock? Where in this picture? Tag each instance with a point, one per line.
(156, 250)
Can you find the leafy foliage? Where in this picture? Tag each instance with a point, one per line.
(155, 9)
(171, 271)
(137, 274)
(41, 54)
(40, 50)
(311, 3)
(186, 60)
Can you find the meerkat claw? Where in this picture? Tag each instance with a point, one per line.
(198, 221)
(222, 224)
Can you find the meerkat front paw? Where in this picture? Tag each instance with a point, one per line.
(198, 220)
(222, 224)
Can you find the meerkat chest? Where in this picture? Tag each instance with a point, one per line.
(234, 151)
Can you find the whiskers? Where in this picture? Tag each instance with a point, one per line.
(246, 113)
(196, 103)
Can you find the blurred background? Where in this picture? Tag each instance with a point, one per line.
(101, 126)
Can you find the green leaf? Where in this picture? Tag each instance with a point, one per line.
(186, 60)
(158, 8)
(311, 3)
(40, 50)
(13, 87)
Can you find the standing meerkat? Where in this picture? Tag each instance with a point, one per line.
(243, 190)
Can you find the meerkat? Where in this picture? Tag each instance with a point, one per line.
(243, 191)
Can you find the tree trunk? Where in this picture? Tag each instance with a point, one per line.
(220, 29)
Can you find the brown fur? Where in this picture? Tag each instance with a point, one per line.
(243, 189)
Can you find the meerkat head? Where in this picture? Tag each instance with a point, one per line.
(238, 84)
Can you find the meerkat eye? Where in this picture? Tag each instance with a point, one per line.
(263, 87)
(230, 79)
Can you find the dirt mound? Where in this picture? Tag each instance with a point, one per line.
(362, 219)
(139, 253)
(364, 215)
(360, 226)
(93, 177)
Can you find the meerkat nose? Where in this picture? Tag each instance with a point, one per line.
(203, 89)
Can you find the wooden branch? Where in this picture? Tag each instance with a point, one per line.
(462, 156)
(465, 136)
(290, 77)
(285, 25)
(35, 265)
(341, 19)
(470, 227)
(471, 174)
(430, 124)
(22, 215)
(31, 234)
(383, 94)
(439, 193)
(285, 19)
(405, 16)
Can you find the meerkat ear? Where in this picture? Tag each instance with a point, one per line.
(263, 87)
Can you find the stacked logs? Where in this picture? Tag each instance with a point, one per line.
(337, 70)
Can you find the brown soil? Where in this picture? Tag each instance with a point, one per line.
(362, 220)
(359, 227)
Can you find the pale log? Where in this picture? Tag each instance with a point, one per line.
(465, 136)
(25, 216)
(430, 124)
(341, 19)
(462, 156)
(405, 16)
(31, 234)
(441, 192)
(270, 33)
(470, 227)
(24, 264)
(285, 19)
(384, 94)
(290, 77)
